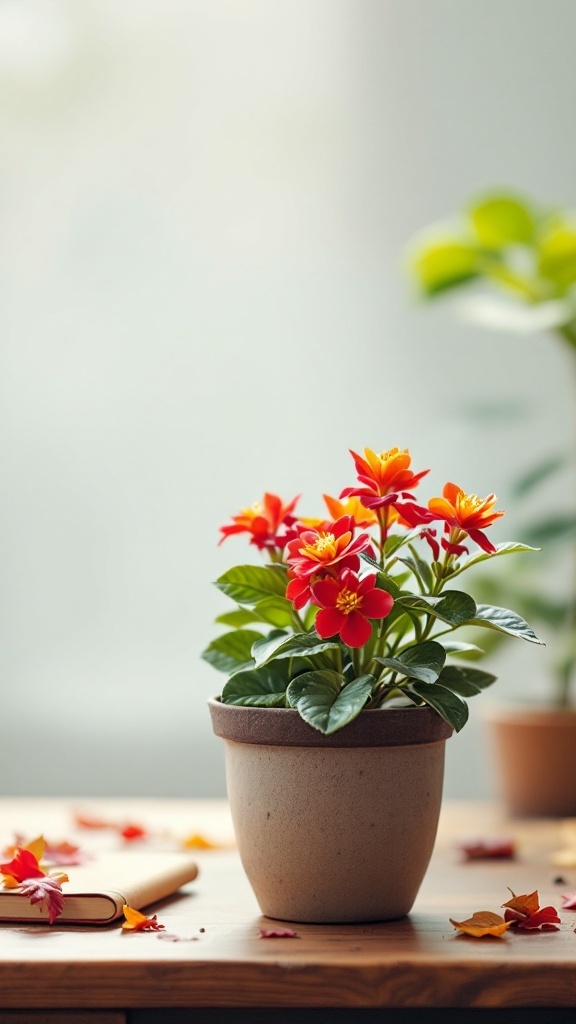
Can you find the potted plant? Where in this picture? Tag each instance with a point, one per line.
(513, 265)
(344, 682)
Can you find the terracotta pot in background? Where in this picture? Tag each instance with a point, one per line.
(535, 757)
(333, 828)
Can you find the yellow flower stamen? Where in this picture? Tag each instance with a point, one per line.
(323, 549)
(348, 601)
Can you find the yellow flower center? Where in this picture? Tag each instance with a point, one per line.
(347, 601)
(324, 549)
(386, 456)
(469, 503)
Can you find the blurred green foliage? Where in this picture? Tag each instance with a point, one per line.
(519, 260)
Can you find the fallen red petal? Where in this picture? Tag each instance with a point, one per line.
(569, 902)
(278, 933)
(480, 849)
(46, 891)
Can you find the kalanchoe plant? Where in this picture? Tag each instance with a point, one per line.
(358, 610)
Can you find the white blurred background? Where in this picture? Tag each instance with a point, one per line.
(204, 211)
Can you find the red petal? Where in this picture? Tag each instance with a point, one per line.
(328, 622)
(356, 630)
(481, 540)
(377, 604)
(325, 592)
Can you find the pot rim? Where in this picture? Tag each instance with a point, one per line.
(531, 714)
(377, 727)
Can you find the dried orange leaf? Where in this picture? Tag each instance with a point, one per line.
(483, 922)
(524, 905)
(137, 922)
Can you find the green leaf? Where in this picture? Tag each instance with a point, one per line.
(504, 621)
(465, 681)
(248, 584)
(277, 611)
(262, 687)
(453, 606)
(421, 661)
(457, 648)
(420, 568)
(538, 474)
(326, 701)
(501, 220)
(289, 646)
(231, 651)
(557, 254)
(452, 709)
(556, 528)
(508, 548)
(237, 618)
(443, 263)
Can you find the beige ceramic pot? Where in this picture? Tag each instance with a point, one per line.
(333, 828)
(535, 758)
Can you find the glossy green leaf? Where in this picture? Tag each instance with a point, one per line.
(421, 661)
(419, 568)
(456, 648)
(262, 687)
(277, 611)
(466, 682)
(248, 584)
(229, 652)
(508, 548)
(444, 263)
(504, 621)
(502, 220)
(453, 606)
(326, 701)
(289, 646)
(238, 617)
(451, 707)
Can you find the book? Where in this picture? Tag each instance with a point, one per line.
(97, 891)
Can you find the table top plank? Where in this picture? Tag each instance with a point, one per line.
(220, 960)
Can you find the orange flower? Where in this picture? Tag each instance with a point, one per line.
(134, 921)
(466, 512)
(383, 476)
(362, 516)
(263, 521)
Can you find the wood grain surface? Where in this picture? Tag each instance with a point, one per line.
(219, 959)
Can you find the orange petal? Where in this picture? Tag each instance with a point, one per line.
(483, 922)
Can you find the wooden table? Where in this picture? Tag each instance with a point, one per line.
(419, 966)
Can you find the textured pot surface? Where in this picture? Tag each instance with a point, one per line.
(333, 831)
(535, 752)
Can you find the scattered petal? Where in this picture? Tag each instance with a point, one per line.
(23, 866)
(278, 933)
(488, 847)
(90, 821)
(525, 912)
(64, 853)
(569, 902)
(47, 891)
(137, 922)
(132, 832)
(482, 923)
(199, 842)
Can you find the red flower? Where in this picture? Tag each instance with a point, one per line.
(23, 865)
(323, 549)
(466, 512)
(347, 604)
(384, 476)
(263, 522)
